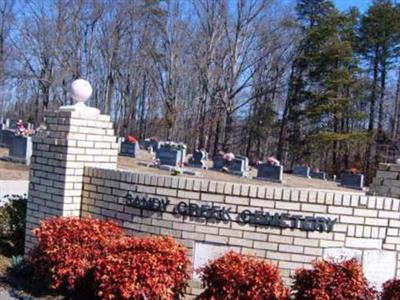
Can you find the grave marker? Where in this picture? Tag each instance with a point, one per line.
(21, 149)
(302, 171)
(129, 149)
(355, 181)
(170, 155)
(6, 138)
(198, 159)
(318, 175)
(237, 167)
(219, 162)
(270, 172)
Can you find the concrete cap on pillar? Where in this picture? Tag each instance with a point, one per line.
(80, 91)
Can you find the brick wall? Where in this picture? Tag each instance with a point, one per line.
(363, 222)
(386, 181)
(71, 141)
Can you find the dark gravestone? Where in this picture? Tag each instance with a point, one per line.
(318, 175)
(21, 149)
(237, 166)
(199, 159)
(219, 162)
(154, 144)
(13, 124)
(129, 149)
(246, 161)
(301, 171)
(354, 181)
(171, 157)
(270, 172)
(6, 138)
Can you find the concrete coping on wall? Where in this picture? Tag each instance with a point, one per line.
(328, 197)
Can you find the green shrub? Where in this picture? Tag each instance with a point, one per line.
(13, 218)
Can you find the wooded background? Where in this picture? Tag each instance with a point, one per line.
(299, 80)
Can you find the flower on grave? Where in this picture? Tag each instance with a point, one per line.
(229, 156)
(132, 139)
(271, 160)
(174, 146)
(354, 171)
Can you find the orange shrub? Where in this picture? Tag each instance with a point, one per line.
(143, 268)
(333, 280)
(391, 290)
(236, 276)
(92, 258)
(68, 248)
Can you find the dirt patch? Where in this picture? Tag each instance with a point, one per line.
(16, 171)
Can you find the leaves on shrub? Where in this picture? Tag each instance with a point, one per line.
(236, 276)
(69, 247)
(333, 280)
(391, 290)
(143, 268)
(74, 253)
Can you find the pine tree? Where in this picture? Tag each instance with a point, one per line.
(379, 45)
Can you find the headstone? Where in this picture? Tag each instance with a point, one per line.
(318, 175)
(119, 141)
(237, 167)
(13, 124)
(154, 144)
(31, 126)
(218, 162)
(270, 172)
(379, 266)
(198, 159)
(246, 161)
(355, 181)
(21, 149)
(6, 138)
(129, 149)
(171, 156)
(302, 171)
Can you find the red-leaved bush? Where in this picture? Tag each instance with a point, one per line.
(143, 268)
(68, 248)
(236, 276)
(95, 258)
(391, 290)
(333, 280)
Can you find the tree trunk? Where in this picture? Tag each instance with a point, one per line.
(228, 132)
(396, 110)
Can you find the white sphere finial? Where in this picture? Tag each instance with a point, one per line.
(81, 90)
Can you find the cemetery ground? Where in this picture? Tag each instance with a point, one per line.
(16, 171)
(11, 170)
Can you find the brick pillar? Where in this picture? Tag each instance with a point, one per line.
(73, 139)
